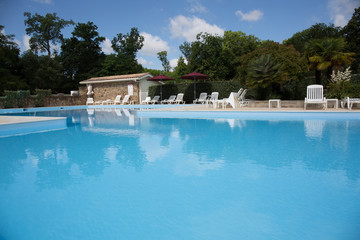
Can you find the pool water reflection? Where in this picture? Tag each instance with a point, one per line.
(113, 175)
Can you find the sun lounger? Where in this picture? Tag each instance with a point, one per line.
(155, 100)
(351, 101)
(117, 99)
(89, 101)
(179, 99)
(213, 98)
(146, 101)
(315, 96)
(126, 100)
(202, 98)
(170, 100)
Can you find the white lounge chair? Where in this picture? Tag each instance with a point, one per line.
(315, 95)
(351, 101)
(117, 99)
(89, 101)
(241, 98)
(146, 101)
(213, 98)
(202, 98)
(126, 100)
(170, 100)
(179, 99)
(155, 100)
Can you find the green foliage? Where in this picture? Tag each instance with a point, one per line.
(181, 69)
(352, 37)
(316, 31)
(81, 54)
(339, 84)
(327, 54)
(41, 94)
(206, 55)
(284, 65)
(164, 61)
(126, 46)
(15, 99)
(44, 31)
(10, 69)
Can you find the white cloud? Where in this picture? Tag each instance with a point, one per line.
(252, 16)
(196, 7)
(106, 46)
(189, 27)
(153, 45)
(342, 10)
(173, 63)
(25, 42)
(145, 62)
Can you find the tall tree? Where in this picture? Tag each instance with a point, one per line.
(81, 54)
(206, 55)
(327, 54)
(181, 69)
(10, 76)
(164, 61)
(352, 37)
(44, 31)
(126, 46)
(316, 31)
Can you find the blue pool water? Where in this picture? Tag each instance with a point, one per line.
(122, 174)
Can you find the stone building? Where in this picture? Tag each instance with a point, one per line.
(103, 88)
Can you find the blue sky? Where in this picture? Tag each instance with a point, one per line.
(167, 24)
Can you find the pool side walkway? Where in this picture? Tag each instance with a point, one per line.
(5, 120)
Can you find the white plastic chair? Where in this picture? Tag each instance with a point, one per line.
(126, 100)
(89, 101)
(351, 101)
(155, 100)
(213, 98)
(146, 101)
(315, 95)
(202, 98)
(117, 99)
(179, 99)
(170, 100)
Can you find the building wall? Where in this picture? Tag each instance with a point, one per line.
(104, 91)
(144, 88)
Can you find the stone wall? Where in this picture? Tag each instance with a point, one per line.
(104, 91)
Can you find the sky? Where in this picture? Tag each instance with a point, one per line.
(166, 24)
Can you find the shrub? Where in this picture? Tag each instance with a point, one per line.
(41, 94)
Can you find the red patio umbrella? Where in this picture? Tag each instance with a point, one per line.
(195, 76)
(160, 78)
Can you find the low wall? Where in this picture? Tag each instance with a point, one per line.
(50, 101)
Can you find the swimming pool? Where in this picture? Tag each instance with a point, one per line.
(124, 174)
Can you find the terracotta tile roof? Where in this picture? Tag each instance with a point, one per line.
(126, 77)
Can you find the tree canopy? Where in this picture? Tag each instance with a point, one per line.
(45, 31)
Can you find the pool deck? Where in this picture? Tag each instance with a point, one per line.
(6, 120)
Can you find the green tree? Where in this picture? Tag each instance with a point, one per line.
(316, 31)
(126, 46)
(327, 54)
(206, 55)
(285, 61)
(10, 74)
(352, 37)
(164, 61)
(181, 69)
(81, 54)
(44, 31)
